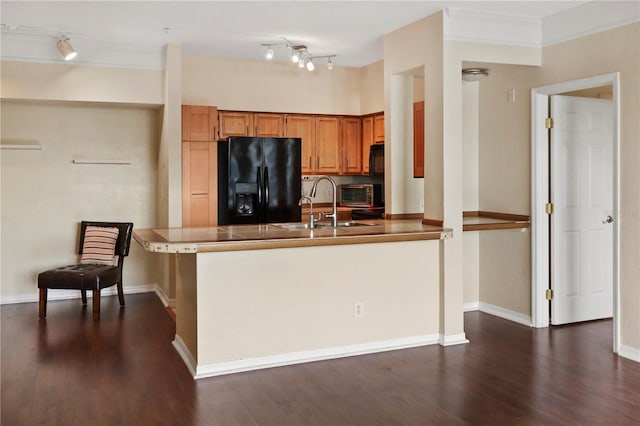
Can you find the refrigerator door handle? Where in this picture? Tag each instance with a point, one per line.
(266, 192)
(259, 181)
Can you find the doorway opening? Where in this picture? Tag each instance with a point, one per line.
(540, 193)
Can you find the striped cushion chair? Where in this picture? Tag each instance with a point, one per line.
(103, 247)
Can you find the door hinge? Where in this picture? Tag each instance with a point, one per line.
(549, 294)
(548, 208)
(548, 123)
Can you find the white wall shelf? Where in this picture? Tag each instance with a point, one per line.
(112, 162)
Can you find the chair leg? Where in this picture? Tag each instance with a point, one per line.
(120, 293)
(96, 305)
(43, 303)
(83, 293)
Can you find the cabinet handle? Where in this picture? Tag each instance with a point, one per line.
(309, 162)
(199, 193)
(317, 163)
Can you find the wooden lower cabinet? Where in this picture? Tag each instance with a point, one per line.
(199, 184)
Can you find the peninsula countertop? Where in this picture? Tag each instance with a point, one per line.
(266, 236)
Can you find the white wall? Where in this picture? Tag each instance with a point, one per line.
(45, 196)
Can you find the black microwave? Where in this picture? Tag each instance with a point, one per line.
(376, 160)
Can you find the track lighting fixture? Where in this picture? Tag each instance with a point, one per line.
(66, 50)
(299, 54)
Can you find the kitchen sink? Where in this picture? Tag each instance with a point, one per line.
(323, 225)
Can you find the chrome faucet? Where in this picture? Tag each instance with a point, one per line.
(334, 215)
(310, 201)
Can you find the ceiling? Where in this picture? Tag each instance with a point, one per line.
(352, 30)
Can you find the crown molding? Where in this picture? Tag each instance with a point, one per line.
(589, 18)
(493, 28)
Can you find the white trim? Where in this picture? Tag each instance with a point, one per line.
(540, 195)
(22, 147)
(630, 353)
(166, 300)
(75, 294)
(490, 27)
(237, 366)
(504, 313)
(185, 354)
(471, 306)
(452, 339)
(589, 18)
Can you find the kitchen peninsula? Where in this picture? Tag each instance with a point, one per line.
(258, 296)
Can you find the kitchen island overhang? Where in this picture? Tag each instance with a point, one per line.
(273, 299)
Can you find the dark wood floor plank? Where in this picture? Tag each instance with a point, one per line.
(123, 370)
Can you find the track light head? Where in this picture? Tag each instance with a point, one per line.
(269, 53)
(329, 65)
(66, 50)
(310, 65)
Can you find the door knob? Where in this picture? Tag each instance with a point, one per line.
(608, 219)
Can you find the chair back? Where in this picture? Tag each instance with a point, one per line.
(124, 235)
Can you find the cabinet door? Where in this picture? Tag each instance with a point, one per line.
(418, 139)
(235, 124)
(199, 184)
(367, 141)
(378, 128)
(327, 144)
(304, 127)
(269, 125)
(199, 123)
(351, 146)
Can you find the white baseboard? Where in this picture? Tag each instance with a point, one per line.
(54, 294)
(228, 367)
(166, 300)
(472, 306)
(452, 339)
(505, 313)
(185, 354)
(629, 353)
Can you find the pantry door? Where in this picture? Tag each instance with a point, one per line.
(581, 191)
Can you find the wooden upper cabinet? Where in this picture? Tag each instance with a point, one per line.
(378, 128)
(367, 141)
(327, 145)
(234, 123)
(304, 127)
(269, 125)
(199, 123)
(418, 139)
(351, 146)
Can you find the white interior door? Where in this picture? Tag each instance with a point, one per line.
(582, 196)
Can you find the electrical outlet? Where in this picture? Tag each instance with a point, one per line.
(329, 192)
(358, 309)
(421, 205)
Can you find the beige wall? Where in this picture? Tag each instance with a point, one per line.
(618, 50)
(251, 85)
(45, 196)
(372, 88)
(69, 82)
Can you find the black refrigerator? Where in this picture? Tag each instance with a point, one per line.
(259, 180)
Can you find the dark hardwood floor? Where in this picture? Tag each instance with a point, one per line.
(123, 370)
